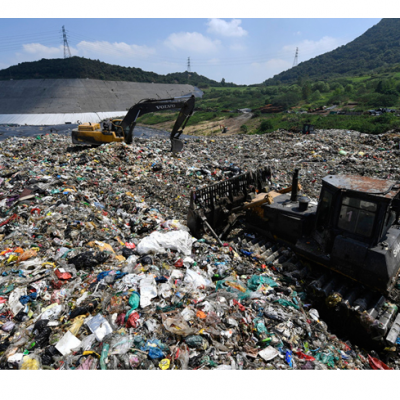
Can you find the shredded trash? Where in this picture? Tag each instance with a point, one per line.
(98, 269)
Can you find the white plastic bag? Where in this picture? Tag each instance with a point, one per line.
(165, 290)
(148, 290)
(150, 245)
(158, 242)
(195, 279)
(14, 302)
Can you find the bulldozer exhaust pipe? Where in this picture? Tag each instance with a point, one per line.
(295, 185)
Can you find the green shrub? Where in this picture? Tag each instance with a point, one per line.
(244, 128)
(266, 125)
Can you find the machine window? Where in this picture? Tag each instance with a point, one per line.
(324, 210)
(357, 216)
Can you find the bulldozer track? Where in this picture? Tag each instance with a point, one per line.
(351, 309)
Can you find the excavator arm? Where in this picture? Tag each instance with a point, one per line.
(186, 106)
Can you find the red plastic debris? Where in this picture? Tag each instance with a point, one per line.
(120, 319)
(377, 364)
(14, 216)
(35, 209)
(241, 308)
(132, 320)
(62, 275)
(130, 245)
(303, 356)
(179, 263)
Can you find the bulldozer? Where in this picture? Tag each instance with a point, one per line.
(345, 248)
(121, 130)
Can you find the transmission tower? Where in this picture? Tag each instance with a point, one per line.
(296, 57)
(67, 52)
(188, 65)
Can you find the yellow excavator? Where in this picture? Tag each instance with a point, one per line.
(121, 130)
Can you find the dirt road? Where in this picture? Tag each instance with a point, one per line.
(211, 128)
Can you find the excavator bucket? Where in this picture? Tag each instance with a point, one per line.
(176, 145)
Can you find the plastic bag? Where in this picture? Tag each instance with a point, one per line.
(87, 342)
(165, 290)
(52, 312)
(26, 255)
(120, 344)
(177, 326)
(259, 325)
(196, 342)
(76, 325)
(174, 224)
(8, 326)
(134, 300)
(183, 356)
(31, 362)
(154, 348)
(196, 279)
(287, 303)
(148, 290)
(256, 280)
(132, 321)
(232, 285)
(157, 242)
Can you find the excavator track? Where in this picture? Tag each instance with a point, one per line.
(351, 310)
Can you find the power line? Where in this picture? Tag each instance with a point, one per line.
(188, 65)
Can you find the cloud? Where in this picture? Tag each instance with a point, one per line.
(237, 47)
(273, 66)
(312, 48)
(41, 51)
(193, 42)
(116, 50)
(221, 27)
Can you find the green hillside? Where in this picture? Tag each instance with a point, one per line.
(376, 49)
(81, 68)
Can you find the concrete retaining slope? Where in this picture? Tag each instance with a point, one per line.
(47, 101)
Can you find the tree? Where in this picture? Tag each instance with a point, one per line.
(223, 82)
(306, 91)
(349, 88)
(286, 100)
(316, 95)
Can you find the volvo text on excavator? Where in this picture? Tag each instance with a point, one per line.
(345, 250)
(121, 130)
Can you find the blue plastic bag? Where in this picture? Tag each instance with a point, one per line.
(289, 358)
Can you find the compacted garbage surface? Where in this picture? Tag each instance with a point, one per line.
(98, 269)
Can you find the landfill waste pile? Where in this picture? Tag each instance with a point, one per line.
(98, 269)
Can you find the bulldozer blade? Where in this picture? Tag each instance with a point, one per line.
(176, 145)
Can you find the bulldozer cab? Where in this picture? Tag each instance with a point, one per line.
(355, 207)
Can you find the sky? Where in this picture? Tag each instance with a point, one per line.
(240, 50)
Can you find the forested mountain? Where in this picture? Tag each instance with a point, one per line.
(377, 48)
(80, 68)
